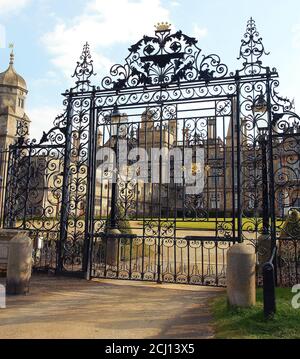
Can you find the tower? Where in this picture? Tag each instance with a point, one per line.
(13, 92)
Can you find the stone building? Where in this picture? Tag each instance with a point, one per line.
(13, 93)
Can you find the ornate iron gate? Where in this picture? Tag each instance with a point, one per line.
(156, 172)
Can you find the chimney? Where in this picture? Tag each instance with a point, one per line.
(147, 119)
(100, 139)
(119, 122)
(186, 135)
(244, 128)
(211, 128)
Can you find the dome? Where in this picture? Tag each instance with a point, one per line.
(11, 78)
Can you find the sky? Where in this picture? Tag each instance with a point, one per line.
(48, 36)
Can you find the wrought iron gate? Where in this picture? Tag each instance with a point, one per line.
(110, 190)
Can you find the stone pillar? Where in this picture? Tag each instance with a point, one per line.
(2, 297)
(241, 278)
(112, 247)
(19, 265)
(6, 235)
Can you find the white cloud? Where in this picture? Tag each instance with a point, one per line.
(289, 78)
(42, 120)
(2, 37)
(296, 37)
(199, 32)
(50, 78)
(9, 6)
(102, 24)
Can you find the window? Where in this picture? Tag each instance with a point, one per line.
(215, 201)
(21, 103)
(294, 167)
(18, 126)
(215, 176)
(296, 203)
(252, 201)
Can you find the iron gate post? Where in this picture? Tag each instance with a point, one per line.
(238, 158)
(114, 185)
(269, 290)
(233, 174)
(271, 171)
(27, 186)
(65, 186)
(91, 178)
(114, 190)
(159, 239)
(265, 189)
(4, 166)
(269, 283)
(8, 177)
(14, 169)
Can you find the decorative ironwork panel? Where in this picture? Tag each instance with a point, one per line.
(164, 59)
(196, 262)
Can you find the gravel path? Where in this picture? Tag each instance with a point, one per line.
(106, 309)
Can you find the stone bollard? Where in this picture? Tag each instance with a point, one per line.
(2, 297)
(241, 278)
(6, 235)
(112, 247)
(19, 265)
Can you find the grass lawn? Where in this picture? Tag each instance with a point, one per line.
(250, 323)
(211, 224)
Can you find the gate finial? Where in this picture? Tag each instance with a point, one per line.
(84, 69)
(252, 48)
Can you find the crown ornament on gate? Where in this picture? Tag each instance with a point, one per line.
(163, 26)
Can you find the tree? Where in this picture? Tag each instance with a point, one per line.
(291, 227)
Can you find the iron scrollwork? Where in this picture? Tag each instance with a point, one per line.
(162, 60)
(252, 49)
